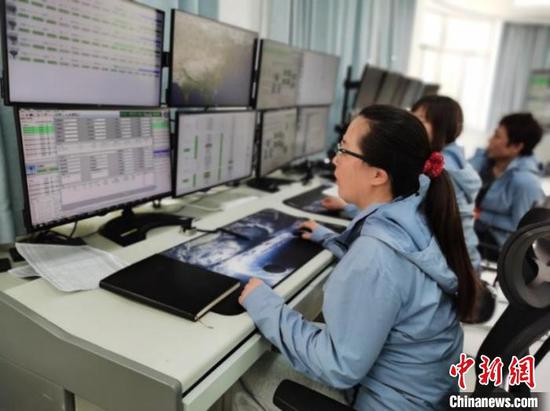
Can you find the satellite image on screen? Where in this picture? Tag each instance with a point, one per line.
(211, 63)
(270, 251)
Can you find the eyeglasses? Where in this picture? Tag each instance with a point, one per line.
(342, 150)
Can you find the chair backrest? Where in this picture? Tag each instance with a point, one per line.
(524, 277)
(524, 262)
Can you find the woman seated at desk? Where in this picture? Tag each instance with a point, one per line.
(393, 302)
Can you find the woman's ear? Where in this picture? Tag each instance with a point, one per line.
(380, 176)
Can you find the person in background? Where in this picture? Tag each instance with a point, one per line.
(442, 117)
(393, 302)
(511, 183)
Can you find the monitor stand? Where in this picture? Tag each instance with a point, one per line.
(130, 228)
(269, 184)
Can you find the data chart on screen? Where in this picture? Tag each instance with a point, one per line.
(312, 130)
(212, 63)
(278, 139)
(213, 149)
(317, 78)
(79, 162)
(99, 52)
(279, 75)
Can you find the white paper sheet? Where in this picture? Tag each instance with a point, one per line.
(70, 268)
(24, 271)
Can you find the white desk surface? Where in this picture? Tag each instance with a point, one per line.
(166, 343)
(546, 185)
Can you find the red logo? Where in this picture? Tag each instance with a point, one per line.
(461, 368)
(519, 371)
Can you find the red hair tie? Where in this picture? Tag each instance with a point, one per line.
(434, 165)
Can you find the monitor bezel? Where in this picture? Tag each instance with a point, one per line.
(261, 140)
(390, 75)
(325, 106)
(401, 90)
(169, 101)
(68, 106)
(366, 69)
(82, 216)
(324, 54)
(176, 146)
(259, 75)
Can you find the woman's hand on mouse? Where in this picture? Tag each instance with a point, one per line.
(308, 227)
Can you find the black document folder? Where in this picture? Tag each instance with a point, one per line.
(171, 285)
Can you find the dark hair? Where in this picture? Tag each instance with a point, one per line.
(398, 143)
(445, 116)
(522, 128)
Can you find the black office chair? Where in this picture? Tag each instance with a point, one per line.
(524, 276)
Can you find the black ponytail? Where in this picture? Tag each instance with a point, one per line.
(398, 143)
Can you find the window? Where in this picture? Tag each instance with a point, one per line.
(458, 52)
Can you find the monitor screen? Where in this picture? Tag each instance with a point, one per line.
(369, 87)
(312, 130)
(388, 88)
(213, 149)
(317, 78)
(212, 63)
(78, 163)
(91, 53)
(412, 94)
(279, 75)
(278, 140)
(537, 100)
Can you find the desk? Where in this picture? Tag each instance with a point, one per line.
(122, 355)
(546, 186)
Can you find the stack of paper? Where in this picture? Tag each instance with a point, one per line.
(68, 268)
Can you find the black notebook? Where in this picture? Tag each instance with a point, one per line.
(170, 285)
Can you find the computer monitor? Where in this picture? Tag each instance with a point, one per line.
(317, 78)
(99, 52)
(412, 94)
(400, 91)
(80, 163)
(312, 131)
(430, 89)
(211, 63)
(388, 88)
(213, 149)
(279, 74)
(369, 87)
(277, 141)
(537, 101)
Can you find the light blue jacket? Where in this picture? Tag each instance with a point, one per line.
(466, 183)
(510, 196)
(391, 326)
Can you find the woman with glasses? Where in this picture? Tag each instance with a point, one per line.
(442, 117)
(393, 302)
